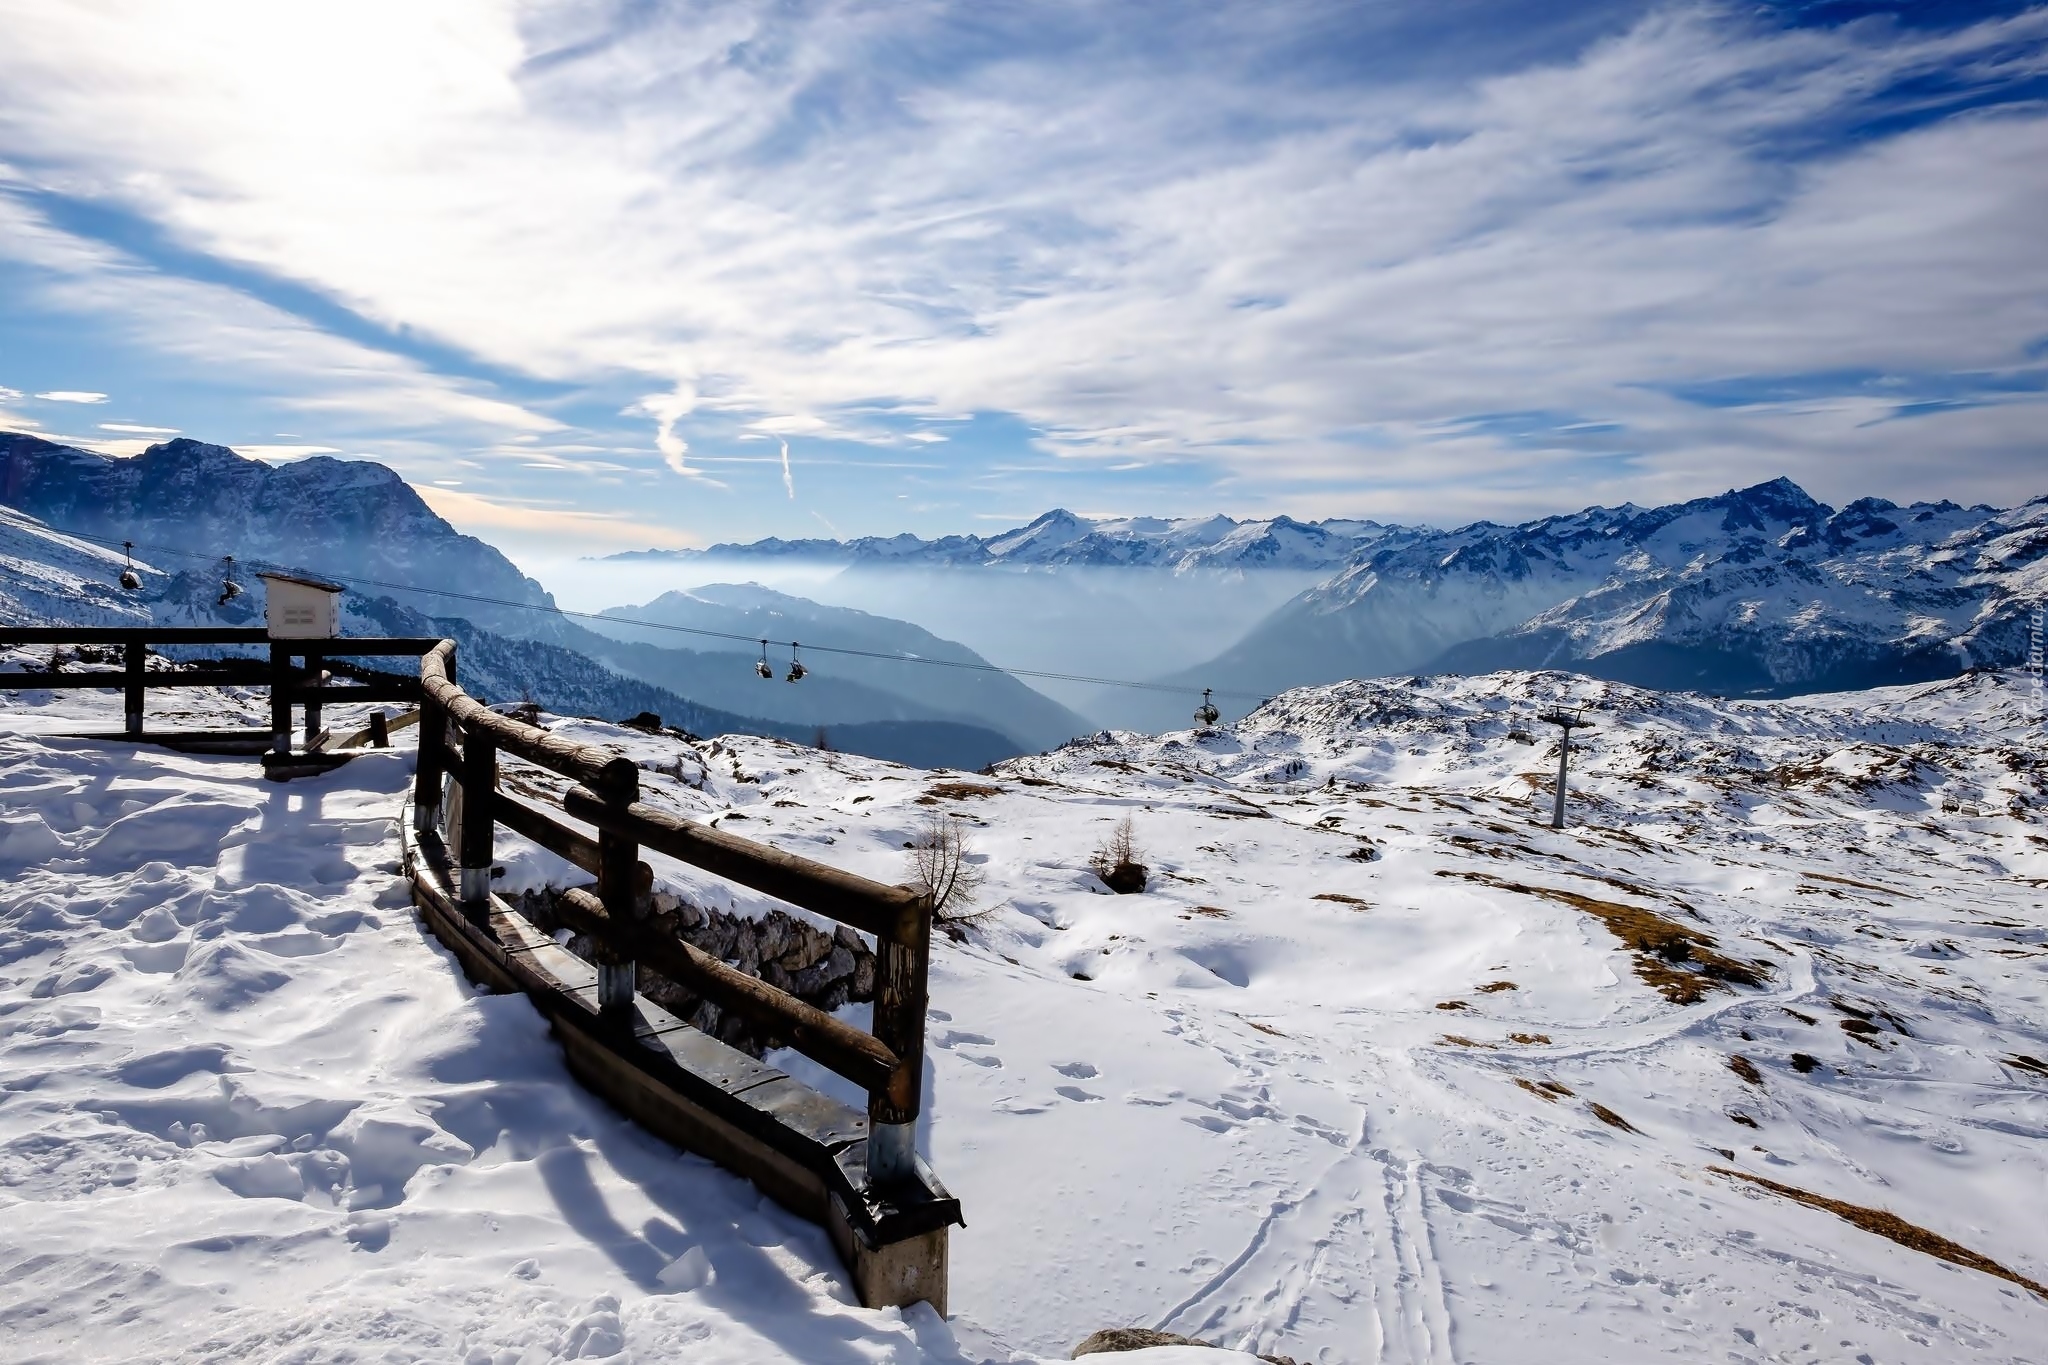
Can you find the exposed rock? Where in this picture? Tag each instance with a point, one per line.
(1111, 1339)
(1114, 1339)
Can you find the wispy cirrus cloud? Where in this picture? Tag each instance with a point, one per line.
(1269, 254)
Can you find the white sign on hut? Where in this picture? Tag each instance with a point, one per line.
(301, 608)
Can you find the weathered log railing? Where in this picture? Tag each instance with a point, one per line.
(895, 1241)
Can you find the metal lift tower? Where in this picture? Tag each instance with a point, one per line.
(1566, 719)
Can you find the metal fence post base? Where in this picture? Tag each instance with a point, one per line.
(892, 1153)
(476, 887)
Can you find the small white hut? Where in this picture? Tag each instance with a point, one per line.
(298, 608)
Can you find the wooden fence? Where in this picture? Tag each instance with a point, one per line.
(310, 684)
(856, 1174)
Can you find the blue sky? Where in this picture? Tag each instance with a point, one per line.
(599, 276)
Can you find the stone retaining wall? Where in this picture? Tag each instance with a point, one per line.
(820, 968)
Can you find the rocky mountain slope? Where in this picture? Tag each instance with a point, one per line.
(1759, 591)
(319, 515)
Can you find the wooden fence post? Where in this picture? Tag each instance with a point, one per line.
(135, 653)
(902, 968)
(479, 779)
(280, 697)
(432, 766)
(618, 886)
(313, 667)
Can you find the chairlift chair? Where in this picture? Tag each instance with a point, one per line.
(1206, 714)
(796, 665)
(130, 579)
(229, 588)
(763, 669)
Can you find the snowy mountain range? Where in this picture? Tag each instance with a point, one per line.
(1762, 591)
(1061, 538)
(358, 522)
(1758, 591)
(55, 579)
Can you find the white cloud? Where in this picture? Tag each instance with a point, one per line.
(219, 331)
(1295, 282)
(71, 396)
(554, 525)
(135, 429)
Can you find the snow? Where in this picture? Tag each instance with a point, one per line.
(249, 1109)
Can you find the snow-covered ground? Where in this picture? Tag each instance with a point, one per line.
(1326, 1089)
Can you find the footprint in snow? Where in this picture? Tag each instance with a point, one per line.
(1076, 1094)
(1079, 1071)
(953, 1038)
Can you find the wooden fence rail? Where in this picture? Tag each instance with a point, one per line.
(309, 685)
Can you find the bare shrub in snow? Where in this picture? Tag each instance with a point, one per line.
(942, 866)
(1119, 861)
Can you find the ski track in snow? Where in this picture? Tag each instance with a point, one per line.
(249, 1111)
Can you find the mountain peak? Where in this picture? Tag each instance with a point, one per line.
(185, 448)
(1779, 498)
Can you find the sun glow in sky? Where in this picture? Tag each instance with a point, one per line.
(667, 273)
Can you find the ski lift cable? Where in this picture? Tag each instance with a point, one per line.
(844, 651)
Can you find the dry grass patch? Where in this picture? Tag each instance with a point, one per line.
(1529, 1038)
(1209, 911)
(1680, 962)
(960, 791)
(1547, 1091)
(1851, 881)
(1341, 899)
(1452, 1005)
(1459, 1040)
(1493, 986)
(1889, 1225)
(1610, 1118)
(2026, 1063)
(1746, 1069)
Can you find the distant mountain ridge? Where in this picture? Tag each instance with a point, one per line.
(884, 682)
(319, 514)
(360, 523)
(48, 578)
(1062, 538)
(1756, 591)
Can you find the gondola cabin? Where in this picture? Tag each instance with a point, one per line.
(301, 608)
